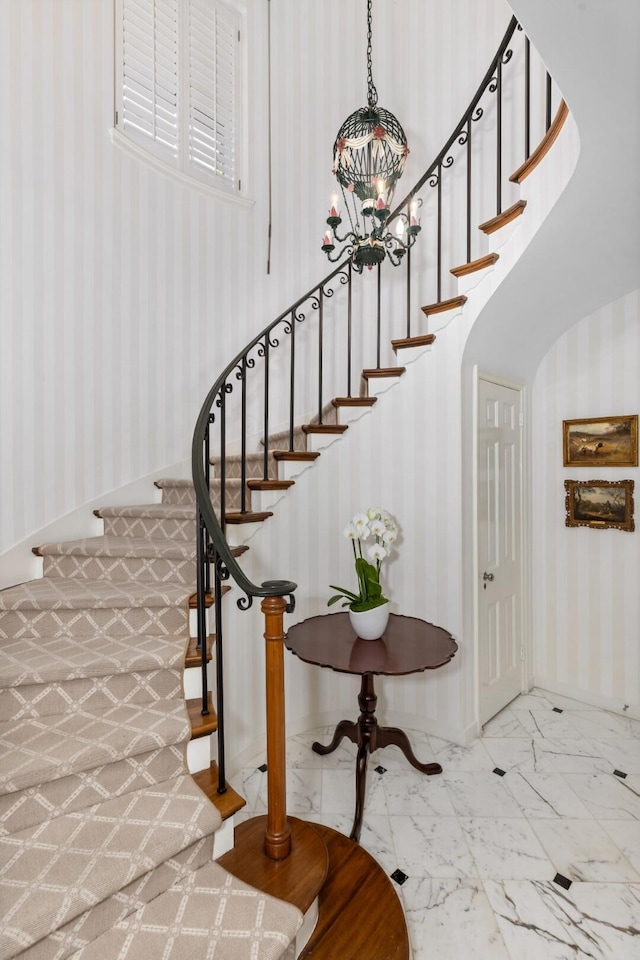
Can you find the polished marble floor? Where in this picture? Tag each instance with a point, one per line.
(527, 847)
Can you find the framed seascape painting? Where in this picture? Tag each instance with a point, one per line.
(601, 441)
(599, 504)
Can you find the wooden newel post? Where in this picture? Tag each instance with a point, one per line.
(277, 838)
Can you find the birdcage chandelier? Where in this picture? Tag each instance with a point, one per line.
(369, 156)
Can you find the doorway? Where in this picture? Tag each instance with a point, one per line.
(501, 648)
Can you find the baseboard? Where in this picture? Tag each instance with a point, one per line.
(18, 564)
(613, 704)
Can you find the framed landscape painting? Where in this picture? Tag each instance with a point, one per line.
(599, 504)
(601, 441)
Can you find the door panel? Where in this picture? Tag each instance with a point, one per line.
(499, 546)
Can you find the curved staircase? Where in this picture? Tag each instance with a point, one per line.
(109, 845)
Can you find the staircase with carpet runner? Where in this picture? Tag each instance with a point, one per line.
(114, 842)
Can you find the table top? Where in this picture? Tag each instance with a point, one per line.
(408, 645)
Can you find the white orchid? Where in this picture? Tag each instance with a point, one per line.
(379, 524)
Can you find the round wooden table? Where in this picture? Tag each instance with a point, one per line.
(408, 645)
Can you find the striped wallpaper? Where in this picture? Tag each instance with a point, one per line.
(586, 598)
(122, 292)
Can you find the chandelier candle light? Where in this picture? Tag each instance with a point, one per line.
(369, 155)
(378, 527)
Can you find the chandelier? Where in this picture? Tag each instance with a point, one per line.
(369, 155)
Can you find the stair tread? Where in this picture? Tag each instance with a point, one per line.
(38, 750)
(502, 219)
(227, 803)
(321, 428)
(354, 401)
(474, 265)
(207, 908)
(441, 306)
(193, 657)
(424, 340)
(298, 879)
(153, 511)
(293, 455)
(248, 517)
(57, 659)
(374, 372)
(110, 546)
(67, 593)
(111, 844)
(270, 484)
(201, 726)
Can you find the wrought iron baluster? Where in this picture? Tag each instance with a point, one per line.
(243, 435)
(222, 779)
(201, 561)
(222, 402)
(265, 466)
(292, 378)
(527, 98)
(320, 344)
(439, 249)
(207, 475)
(499, 139)
(408, 259)
(548, 117)
(379, 319)
(349, 329)
(469, 190)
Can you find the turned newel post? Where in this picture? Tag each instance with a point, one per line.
(277, 838)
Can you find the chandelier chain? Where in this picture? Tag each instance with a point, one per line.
(372, 93)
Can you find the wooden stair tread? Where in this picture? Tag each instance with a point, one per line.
(323, 428)
(193, 657)
(354, 401)
(209, 599)
(543, 147)
(201, 726)
(298, 879)
(270, 484)
(226, 803)
(474, 265)
(441, 306)
(374, 372)
(248, 517)
(359, 913)
(295, 455)
(422, 341)
(490, 226)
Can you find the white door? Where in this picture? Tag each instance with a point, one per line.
(500, 640)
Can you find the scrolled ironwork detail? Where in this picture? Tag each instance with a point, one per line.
(274, 343)
(300, 316)
(222, 571)
(225, 388)
(462, 139)
(291, 605)
(477, 114)
(507, 56)
(287, 328)
(493, 86)
(243, 603)
(448, 161)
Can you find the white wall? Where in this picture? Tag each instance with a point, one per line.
(122, 293)
(586, 600)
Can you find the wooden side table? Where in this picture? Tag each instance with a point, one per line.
(408, 645)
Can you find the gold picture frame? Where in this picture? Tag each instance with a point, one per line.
(601, 442)
(600, 504)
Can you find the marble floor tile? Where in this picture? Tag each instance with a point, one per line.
(534, 700)
(606, 918)
(451, 756)
(304, 792)
(547, 724)
(376, 836)
(544, 796)
(505, 724)
(626, 836)
(339, 792)
(414, 793)
(599, 725)
(432, 847)
(542, 755)
(506, 849)
(446, 917)
(531, 921)
(480, 795)
(621, 754)
(607, 797)
(582, 850)
(564, 703)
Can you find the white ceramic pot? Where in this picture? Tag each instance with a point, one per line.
(370, 624)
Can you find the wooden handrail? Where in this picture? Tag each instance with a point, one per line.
(543, 147)
(277, 837)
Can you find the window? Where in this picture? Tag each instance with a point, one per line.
(178, 77)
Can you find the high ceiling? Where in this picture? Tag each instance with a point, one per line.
(587, 252)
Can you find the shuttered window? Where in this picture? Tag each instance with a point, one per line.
(178, 95)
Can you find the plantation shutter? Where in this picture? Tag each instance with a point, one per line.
(213, 91)
(178, 94)
(148, 109)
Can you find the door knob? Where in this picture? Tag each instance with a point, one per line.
(487, 576)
